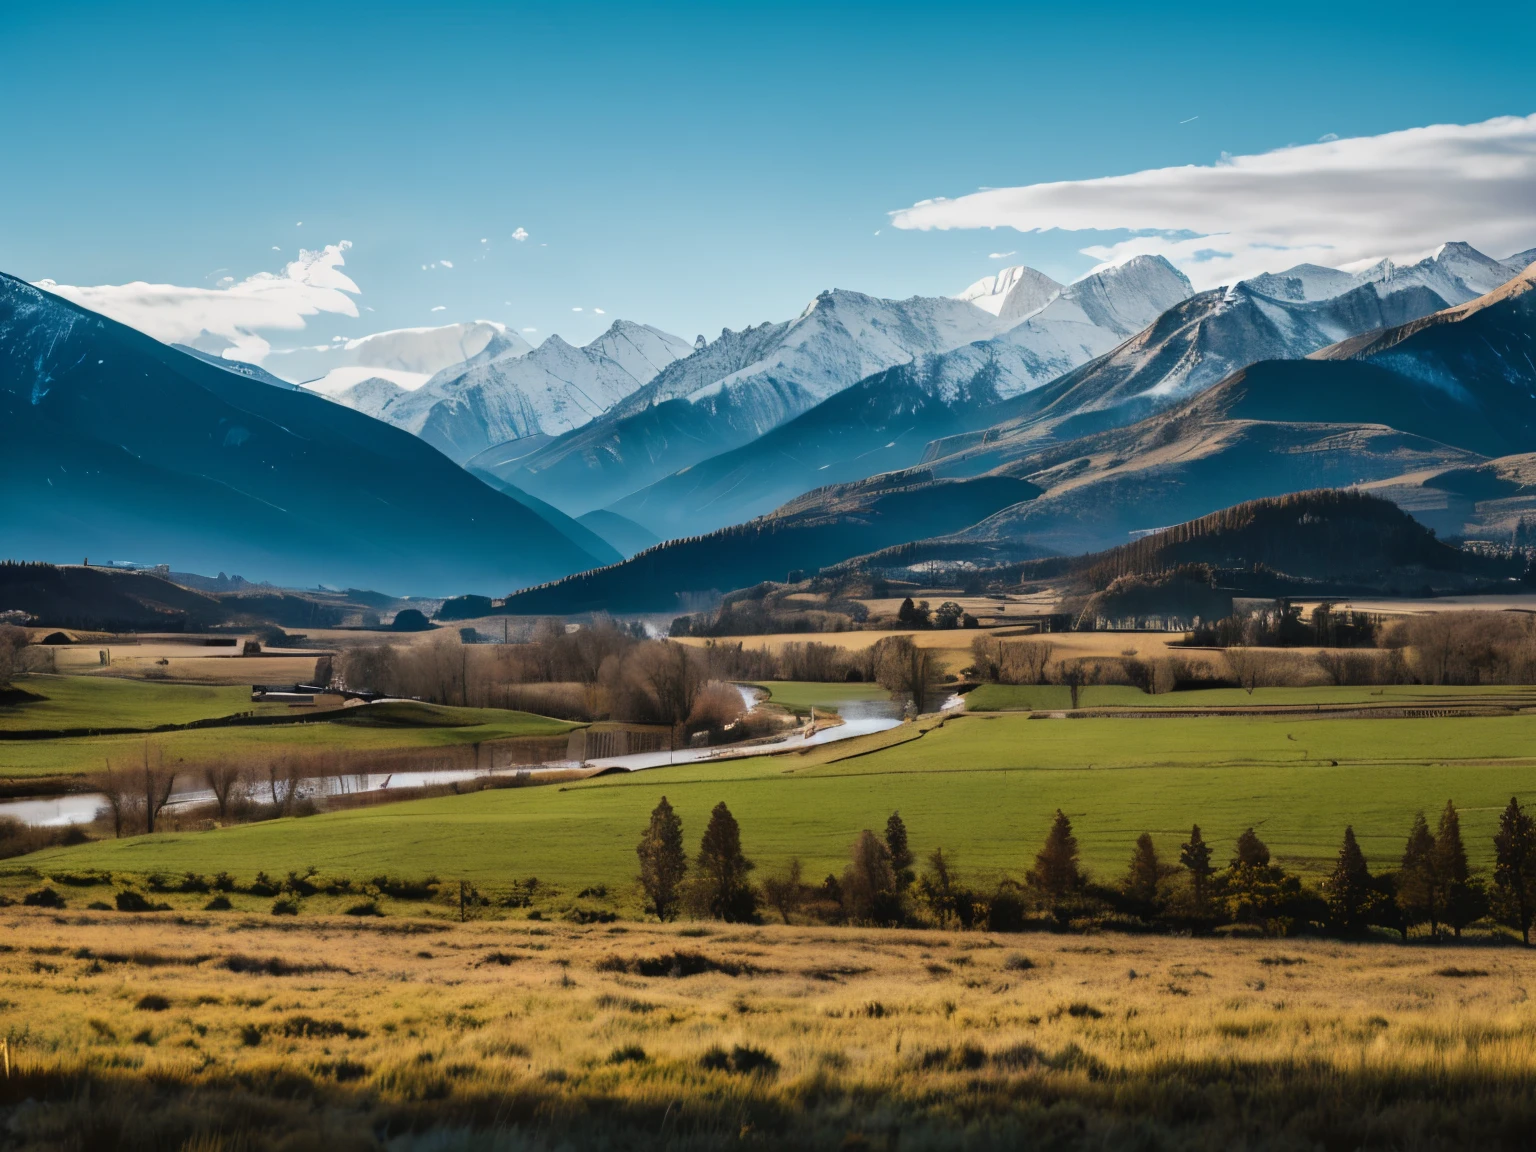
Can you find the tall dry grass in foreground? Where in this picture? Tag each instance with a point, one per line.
(232, 1033)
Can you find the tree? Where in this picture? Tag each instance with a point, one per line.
(1251, 851)
(1195, 855)
(941, 890)
(1145, 874)
(1074, 674)
(1055, 874)
(909, 615)
(223, 780)
(663, 863)
(156, 783)
(785, 893)
(1514, 869)
(722, 890)
(901, 666)
(1462, 900)
(896, 845)
(12, 641)
(1350, 889)
(869, 883)
(1418, 887)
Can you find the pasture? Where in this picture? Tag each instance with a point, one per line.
(73, 702)
(220, 1031)
(984, 787)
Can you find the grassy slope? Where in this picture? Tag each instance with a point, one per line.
(800, 696)
(358, 731)
(107, 702)
(1024, 697)
(983, 787)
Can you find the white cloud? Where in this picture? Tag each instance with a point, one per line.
(446, 263)
(575, 309)
(520, 234)
(530, 329)
(599, 311)
(440, 308)
(1335, 202)
(235, 313)
(1000, 255)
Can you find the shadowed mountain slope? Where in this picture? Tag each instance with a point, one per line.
(117, 446)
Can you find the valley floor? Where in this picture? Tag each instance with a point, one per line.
(220, 1031)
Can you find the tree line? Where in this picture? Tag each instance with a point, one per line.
(1433, 891)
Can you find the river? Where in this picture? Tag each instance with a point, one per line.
(860, 718)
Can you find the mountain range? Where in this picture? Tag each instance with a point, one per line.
(1447, 390)
(117, 446)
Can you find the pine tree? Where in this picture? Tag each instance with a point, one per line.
(1418, 887)
(1196, 856)
(723, 890)
(1351, 895)
(1514, 870)
(896, 845)
(1145, 872)
(663, 862)
(1056, 873)
(1461, 902)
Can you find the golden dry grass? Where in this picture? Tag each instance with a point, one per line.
(136, 1029)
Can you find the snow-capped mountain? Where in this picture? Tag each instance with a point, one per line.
(469, 407)
(1455, 272)
(885, 420)
(1013, 293)
(406, 356)
(739, 386)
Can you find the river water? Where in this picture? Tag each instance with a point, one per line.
(860, 718)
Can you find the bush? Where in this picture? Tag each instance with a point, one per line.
(130, 901)
(218, 904)
(366, 908)
(43, 898)
(285, 907)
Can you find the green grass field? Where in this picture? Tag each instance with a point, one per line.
(800, 696)
(108, 702)
(983, 787)
(1052, 697)
(392, 727)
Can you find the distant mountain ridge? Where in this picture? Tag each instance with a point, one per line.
(116, 446)
(468, 408)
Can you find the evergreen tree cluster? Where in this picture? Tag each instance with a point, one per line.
(1432, 892)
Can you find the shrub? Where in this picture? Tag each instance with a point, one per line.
(43, 898)
(285, 907)
(152, 1003)
(130, 901)
(218, 904)
(366, 908)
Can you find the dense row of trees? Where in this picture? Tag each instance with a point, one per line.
(1433, 890)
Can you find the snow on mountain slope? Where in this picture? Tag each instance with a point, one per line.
(738, 387)
(408, 356)
(844, 336)
(1521, 260)
(464, 410)
(371, 396)
(1020, 289)
(1454, 272)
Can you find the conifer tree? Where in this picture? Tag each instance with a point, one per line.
(663, 862)
(1514, 870)
(869, 883)
(1145, 872)
(1251, 851)
(896, 845)
(1418, 887)
(723, 890)
(1196, 856)
(1461, 901)
(1351, 896)
(1056, 873)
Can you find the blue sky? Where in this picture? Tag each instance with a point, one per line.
(690, 166)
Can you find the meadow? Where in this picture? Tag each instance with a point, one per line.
(72, 702)
(221, 1032)
(984, 787)
(389, 728)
